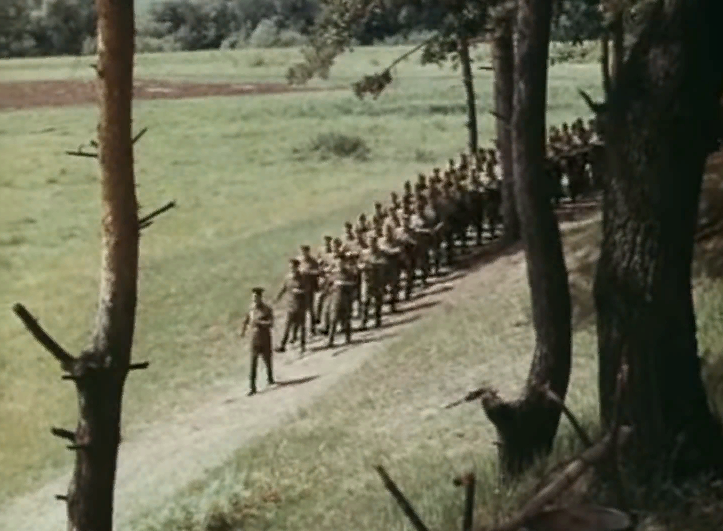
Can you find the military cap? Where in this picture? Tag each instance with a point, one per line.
(337, 241)
(257, 290)
(377, 204)
(294, 261)
(305, 248)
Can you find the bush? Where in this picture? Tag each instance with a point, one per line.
(265, 35)
(340, 145)
(237, 39)
(336, 145)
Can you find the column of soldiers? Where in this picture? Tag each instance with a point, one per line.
(396, 248)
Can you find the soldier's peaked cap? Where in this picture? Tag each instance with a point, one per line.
(304, 247)
(257, 290)
(347, 224)
(294, 261)
(328, 238)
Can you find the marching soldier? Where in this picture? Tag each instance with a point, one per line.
(294, 285)
(392, 252)
(373, 266)
(261, 318)
(326, 252)
(379, 213)
(310, 270)
(338, 310)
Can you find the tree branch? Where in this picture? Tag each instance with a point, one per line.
(468, 480)
(401, 500)
(147, 220)
(579, 430)
(41, 336)
(81, 153)
(139, 135)
(565, 479)
(139, 366)
(63, 434)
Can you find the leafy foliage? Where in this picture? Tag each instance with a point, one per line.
(330, 27)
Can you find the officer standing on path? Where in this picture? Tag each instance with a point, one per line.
(261, 318)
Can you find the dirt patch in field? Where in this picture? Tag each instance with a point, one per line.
(27, 94)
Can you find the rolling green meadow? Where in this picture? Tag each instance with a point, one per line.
(253, 179)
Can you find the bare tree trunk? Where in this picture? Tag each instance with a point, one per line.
(503, 64)
(660, 122)
(101, 371)
(468, 82)
(617, 29)
(526, 427)
(605, 62)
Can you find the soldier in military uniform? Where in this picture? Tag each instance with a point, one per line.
(393, 253)
(326, 251)
(294, 286)
(310, 270)
(379, 213)
(261, 318)
(374, 267)
(338, 311)
(408, 241)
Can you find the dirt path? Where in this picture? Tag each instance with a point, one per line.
(167, 456)
(28, 94)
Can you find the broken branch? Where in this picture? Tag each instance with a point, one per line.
(469, 482)
(63, 434)
(469, 397)
(42, 337)
(401, 500)
(139, 135)
(485, 67)
(145, 221)
(579, 430)
(80, 153)
(567, 477)
(139, 366)
(61, 497)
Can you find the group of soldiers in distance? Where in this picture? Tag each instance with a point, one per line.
(395, 250)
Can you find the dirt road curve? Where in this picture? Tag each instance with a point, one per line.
(27, 94)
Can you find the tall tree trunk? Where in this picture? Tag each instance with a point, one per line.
(605, 62)
(468, 82)
(527, 426)
(660, 122)
(503, 65)
(101, 371)
(617, 30)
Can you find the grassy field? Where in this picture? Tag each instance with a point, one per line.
(250, 189)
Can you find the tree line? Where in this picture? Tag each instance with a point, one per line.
(68, 27)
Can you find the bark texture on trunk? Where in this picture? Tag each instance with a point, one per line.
(527, 426)
(468, 82)
(659, 124)
(617, 31)
(100, 372)
(503, 64)
(605, 62)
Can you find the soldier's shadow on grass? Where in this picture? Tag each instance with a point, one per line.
(358, 342)
(437, 290)
(419, 306)
(295, 381)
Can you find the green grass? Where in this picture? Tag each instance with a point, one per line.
(248, 192)
(317, 471)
